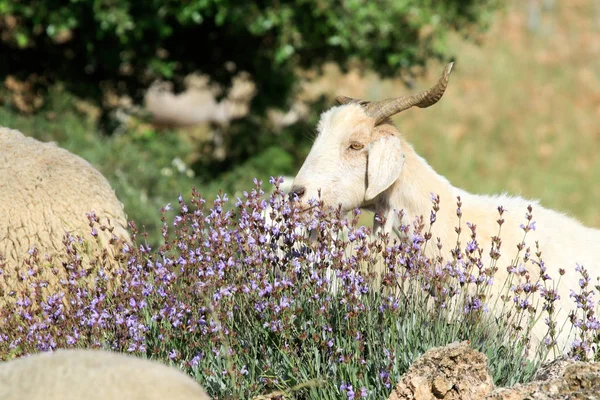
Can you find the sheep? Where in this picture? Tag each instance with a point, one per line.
(46, 191)
(93, 375)
(360, 159)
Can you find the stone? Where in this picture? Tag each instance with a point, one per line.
(558, 379)
(453, 372)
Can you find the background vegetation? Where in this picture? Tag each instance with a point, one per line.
(124, 41)
(61, 60)
(519, 116)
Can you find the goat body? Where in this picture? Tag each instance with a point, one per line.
(359, 159)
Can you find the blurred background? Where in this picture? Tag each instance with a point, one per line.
(164, 95)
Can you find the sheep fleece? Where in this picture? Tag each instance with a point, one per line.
(93, 375)
(45, 191)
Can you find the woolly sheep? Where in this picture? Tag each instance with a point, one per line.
(93, 375)
(360, 159)
(46, 191)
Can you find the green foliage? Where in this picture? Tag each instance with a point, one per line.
(90, 40)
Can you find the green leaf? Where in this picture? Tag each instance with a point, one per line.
(22, 39)
(284, 53)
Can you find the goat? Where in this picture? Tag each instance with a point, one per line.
(360, 159)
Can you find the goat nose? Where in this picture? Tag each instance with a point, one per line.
(297, 191)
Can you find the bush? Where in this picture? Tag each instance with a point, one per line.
(88, 41)
(247, 303)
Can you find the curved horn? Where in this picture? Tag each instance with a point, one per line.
(381, 110)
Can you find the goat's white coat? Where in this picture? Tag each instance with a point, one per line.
(93, 375)
(387, 176)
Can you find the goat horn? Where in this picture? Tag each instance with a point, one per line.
(382, 110)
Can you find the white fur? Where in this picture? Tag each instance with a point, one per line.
(405, 182)
(93, 375)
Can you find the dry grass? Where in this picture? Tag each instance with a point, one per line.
(522, 111)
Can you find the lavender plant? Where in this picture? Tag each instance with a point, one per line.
(257, 295)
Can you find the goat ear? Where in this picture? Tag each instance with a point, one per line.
(341, 100)
(385, 162)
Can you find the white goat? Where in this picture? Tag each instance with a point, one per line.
(359, 159)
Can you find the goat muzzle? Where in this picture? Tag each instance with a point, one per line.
(297, 192)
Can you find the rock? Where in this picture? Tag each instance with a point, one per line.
(558, 379)
(458, 372)
(453, 372)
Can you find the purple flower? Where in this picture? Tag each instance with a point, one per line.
(529, 227)
(471, 246)
(348, 390)
(223, 267)
(385, 378)
(195, 361)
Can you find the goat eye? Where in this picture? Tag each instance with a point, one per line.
(356, 146)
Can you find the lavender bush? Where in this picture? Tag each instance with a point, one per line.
(255, 295)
